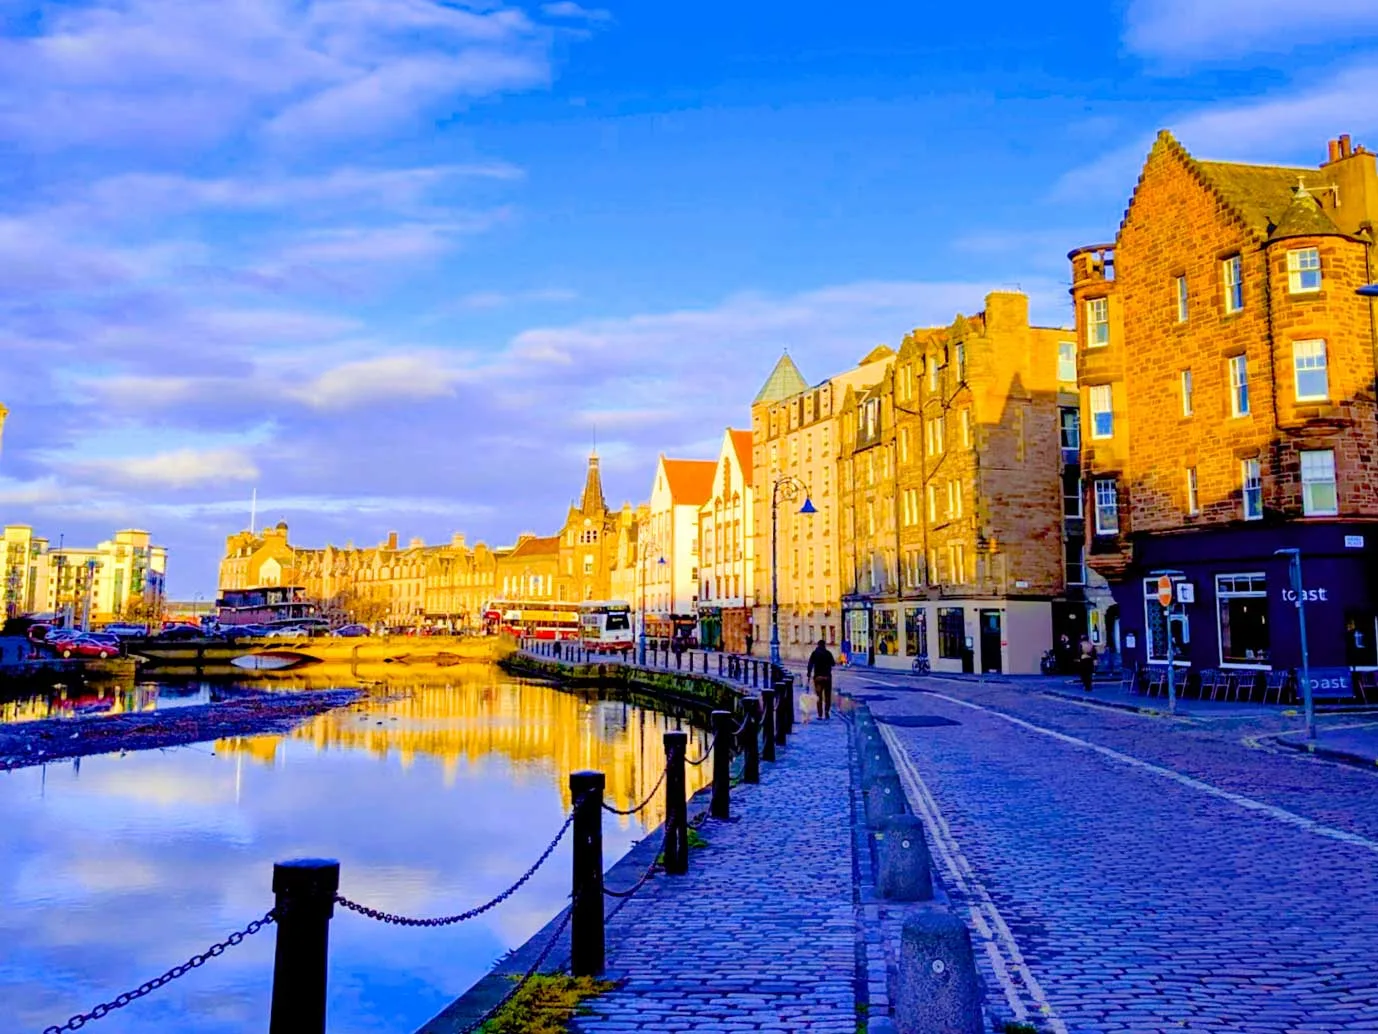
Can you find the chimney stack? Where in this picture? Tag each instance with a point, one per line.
(1334, 151)
(1345, 152)
(392, 540)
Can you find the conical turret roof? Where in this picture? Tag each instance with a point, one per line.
(592, 500)
(1303, 218)
(785, 380)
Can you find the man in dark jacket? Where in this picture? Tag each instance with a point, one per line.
(820, 669)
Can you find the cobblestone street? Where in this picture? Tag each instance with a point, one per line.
(1130, 872)
(761, 933)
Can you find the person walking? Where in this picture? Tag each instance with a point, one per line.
(749, 643)
(820, 669)
(1087, 662)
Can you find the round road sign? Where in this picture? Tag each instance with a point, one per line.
(1165, 590)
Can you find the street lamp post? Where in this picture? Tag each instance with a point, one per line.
(645, 548)
(1295, 569)
(788, 488)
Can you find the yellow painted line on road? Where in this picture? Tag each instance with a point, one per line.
(1271, 811)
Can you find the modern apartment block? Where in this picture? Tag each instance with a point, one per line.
(957, 543)
(794, 456)
(1227, 378)
(124, 576)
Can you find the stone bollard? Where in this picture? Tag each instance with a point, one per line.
(884, 799)
(876, 763)
(936, 987)
(906, 867)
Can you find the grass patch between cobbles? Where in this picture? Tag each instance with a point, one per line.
(546, 1004)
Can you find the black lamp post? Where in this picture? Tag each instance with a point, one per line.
(787, 488)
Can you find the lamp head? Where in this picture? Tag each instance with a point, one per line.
(661, 562)
(808, 506)
(1368, 291)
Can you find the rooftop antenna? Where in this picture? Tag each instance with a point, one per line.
(253, 510)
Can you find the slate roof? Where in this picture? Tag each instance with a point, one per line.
(785, 380)
(1304, 217)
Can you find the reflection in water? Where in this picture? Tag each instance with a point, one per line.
(433, 797)
(105, 698)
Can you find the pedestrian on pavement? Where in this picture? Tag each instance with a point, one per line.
(749, 642)
(1087, 661)
(820, 669)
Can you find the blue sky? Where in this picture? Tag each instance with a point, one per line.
(391, 262)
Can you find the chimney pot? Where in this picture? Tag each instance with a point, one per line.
(1344, 145)
(1334, 150)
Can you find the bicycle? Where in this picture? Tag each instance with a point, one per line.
(920, 665)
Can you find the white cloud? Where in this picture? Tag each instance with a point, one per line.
(503, 299)
(400, 241)
(569, 9)
(1288, 126)
(1216, 30)
(385, 377)
(178, 468)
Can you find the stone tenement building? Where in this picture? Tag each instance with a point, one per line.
(794, 442)
(1227, 382)
(955, 544)
(448, 585)
(727, 556)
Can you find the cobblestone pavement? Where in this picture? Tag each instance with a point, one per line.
(761, 933)
(1139, 873)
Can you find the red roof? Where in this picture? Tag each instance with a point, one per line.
(741, 443)
(536, 546)
(691, 481)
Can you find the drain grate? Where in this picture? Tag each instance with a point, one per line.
(915, 721)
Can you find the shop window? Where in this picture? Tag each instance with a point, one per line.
(1242, 602)
(887, 633)
(1251, 489)
(1318, 495)
(951, 633)
(915, 632)
(1155, 622)
(1303, 271)
(1309, 372)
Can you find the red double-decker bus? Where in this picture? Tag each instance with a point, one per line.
(535, 619)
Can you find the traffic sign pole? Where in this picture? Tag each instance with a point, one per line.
(1165, 589)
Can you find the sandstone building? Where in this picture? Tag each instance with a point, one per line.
(794, 443)
(445, 585)
(954, 542)
(726, 549)
(1227, 390)
(670, 533)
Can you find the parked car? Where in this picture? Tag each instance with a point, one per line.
(57, 635)
(179, 634)
(351, 630)
(126, 630)
(87, 646)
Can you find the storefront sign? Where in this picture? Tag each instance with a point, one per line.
(1354, 542)
(1307, 595)
(1330, 681)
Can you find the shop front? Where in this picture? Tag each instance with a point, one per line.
(1241, 610)
(710, 627)
(856, 632)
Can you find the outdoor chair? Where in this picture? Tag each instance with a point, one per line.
(1278, 685)
(1205, 688)
(1366, 687)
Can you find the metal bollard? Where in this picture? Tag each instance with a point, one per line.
(780, 720)
(305, 900)
(789, 704)
(751, 743)
(721, 806)
(768, 725)
(676, 811)
(719, 665)
(586, 921)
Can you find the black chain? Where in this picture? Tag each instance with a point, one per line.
(649, 797)
(195, 962)
(645, 877)
(707, 753)
(399, 920)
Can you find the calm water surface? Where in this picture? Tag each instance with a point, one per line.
(433, 797)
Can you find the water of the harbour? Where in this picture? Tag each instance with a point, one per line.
(433, 795)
